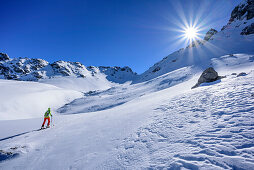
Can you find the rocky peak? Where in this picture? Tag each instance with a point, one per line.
(207, 37)
(67, 68)
(244, 10)
(20, 67)
(4, 57)
(116, 69)
(118, 74)
(243, 15)
(209, 34)
(195, 43)
(37, 63)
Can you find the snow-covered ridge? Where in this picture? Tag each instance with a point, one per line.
(29, 69)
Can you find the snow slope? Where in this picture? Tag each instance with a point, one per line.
(119, 94)
(210, 127)
(80, 84)
(22, 100)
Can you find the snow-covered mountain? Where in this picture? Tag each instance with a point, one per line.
(157, 122)
(29, 69)
(235, 37)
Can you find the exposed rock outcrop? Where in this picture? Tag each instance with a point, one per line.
(248, 30)
(195, 43)
(209, 34)
(119, 74)
(207, 37)
(4, 57)
(69, 68)
(156, 69)
(241, 74)
(209, 75)
(244, 10)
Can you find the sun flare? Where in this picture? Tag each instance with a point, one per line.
(191, 33)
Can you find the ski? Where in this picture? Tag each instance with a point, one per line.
(43, 128)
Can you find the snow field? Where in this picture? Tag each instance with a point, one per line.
(80, 84)
(90, 139)
(158, 124)
(23, 100)
(210, 127)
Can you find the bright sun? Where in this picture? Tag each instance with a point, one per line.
(191, 33)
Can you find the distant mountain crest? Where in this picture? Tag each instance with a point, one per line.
(29, 69)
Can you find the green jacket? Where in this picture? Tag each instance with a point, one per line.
(47, 113)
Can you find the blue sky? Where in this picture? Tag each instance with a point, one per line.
(134, 33)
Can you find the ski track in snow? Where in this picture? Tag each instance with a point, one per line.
(209, 128)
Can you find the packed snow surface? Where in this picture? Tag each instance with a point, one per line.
(160, 123)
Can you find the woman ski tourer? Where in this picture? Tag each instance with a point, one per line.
(46, 117)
